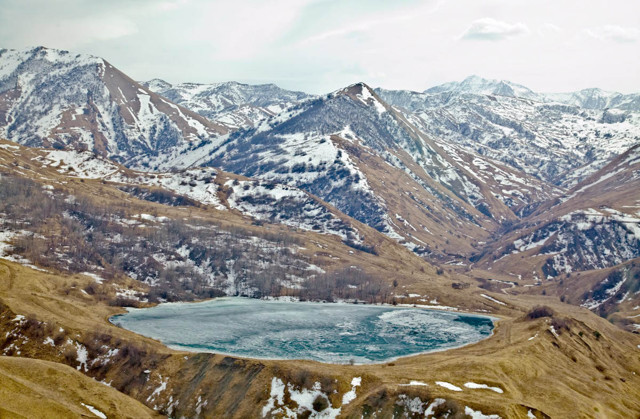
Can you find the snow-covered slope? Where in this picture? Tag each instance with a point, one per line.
(260, 200)
(233, 104)
(595, 225)
(359, 154)
(592, 98)
(481, 86)
(558, 143)
(59, 99)
(598, 99)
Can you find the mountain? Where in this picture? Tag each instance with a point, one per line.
(472, 156)
(480, 86)
(59, 99)
(592, 226)
(360, 155)
(558, 143)
(598, 99)
(592, 98)
(584, 245)
(232, 104)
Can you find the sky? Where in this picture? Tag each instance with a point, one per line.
(318, 46)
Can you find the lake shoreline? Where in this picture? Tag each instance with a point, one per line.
(340, 333)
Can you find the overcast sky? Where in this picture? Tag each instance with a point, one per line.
(321, 45)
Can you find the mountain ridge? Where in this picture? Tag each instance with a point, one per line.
(55, 98)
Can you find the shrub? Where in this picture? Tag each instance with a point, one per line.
(560, 324)
(70, 355)
(540, 311)
(320, 404)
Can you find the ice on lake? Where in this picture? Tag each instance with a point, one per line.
(334, 333)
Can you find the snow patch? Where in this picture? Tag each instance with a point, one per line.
(493, 299)
(476, 414)
(350, 395)
(483, 386)
(95, 411)
(448, 386)
(82, 356)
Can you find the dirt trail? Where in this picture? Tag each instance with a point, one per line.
(7, 276)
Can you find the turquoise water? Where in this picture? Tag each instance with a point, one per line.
(334, 333)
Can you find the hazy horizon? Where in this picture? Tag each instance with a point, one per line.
(318, 46)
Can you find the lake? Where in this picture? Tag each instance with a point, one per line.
(326, 332)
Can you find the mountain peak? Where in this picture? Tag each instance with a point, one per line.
(475, 79)
(478, 85)
(361, 92)
(157, 84)
(355, 88)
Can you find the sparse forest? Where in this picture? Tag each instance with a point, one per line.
(180, 260)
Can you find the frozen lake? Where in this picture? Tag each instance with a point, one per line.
(334, 333)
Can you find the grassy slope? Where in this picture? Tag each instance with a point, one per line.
(568, 375)
(33, 388)
(393, 261)
(564, 376)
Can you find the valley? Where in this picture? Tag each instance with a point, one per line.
(474, 197)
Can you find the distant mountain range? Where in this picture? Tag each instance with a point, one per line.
(546, 136)
(479, 175)
(233, 104)
(592, 98)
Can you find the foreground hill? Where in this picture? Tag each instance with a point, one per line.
(61, 392)
(556, 362)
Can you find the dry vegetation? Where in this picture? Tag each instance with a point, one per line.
(584, 366)
(588, 367)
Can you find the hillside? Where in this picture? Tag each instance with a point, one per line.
(214, 234)
(585, 242)
(358, 154)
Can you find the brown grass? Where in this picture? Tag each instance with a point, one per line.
(560, 376)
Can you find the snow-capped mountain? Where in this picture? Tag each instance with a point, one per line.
(467, 157)
(598, 99)
(59, 99)
(480, 86)
(558, 143)
(233, 104)
(592, 98)
(359, 154)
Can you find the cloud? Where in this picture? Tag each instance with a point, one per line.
(488, 29)
(167, 6)
(72, 33)
(354, 28)
(549, 29)
(614, 33)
